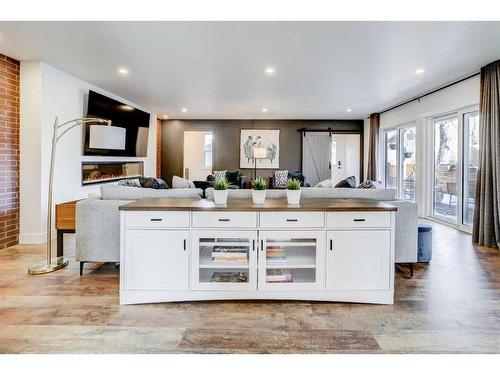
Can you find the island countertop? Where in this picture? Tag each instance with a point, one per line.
(243, 204)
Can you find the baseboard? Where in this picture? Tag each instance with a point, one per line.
(35, 238)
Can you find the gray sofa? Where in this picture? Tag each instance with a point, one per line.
(406, 216)
(98, 220)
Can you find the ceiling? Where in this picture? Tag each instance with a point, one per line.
(217, 69)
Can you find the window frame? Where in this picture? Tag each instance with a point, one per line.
(205, 151)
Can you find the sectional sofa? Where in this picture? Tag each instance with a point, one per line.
(98, 219)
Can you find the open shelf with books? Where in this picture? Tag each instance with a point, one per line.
(223, 260)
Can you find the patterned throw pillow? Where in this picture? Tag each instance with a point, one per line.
(218, 175)
(349, 182)
(152, 183)
(368, 184)
(280, 178)
(131, 183)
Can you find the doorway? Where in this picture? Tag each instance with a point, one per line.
(332, 156)
(198, 155)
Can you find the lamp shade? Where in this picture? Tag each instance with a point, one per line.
(107, 137)
(259, 153)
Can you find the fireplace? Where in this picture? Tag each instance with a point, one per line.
(105, 171)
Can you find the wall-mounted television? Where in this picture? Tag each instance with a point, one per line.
(135, 122)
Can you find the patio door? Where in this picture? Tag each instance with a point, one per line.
(456, 150)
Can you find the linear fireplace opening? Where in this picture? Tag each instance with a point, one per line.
(105, 171)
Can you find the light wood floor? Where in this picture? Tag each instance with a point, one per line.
(451, 305)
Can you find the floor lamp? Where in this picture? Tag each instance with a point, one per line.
(100, 140)
(258, 153)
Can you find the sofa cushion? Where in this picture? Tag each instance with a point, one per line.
(232, 177)
(179, 183)
(218, 175)
(130, 182)
(117, 192)
(325, 184)
(280, 178)
(152, 183)
(368, 184)
(349, 182)
(297, 176)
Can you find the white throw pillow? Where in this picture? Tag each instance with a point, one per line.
(325, 184)
(181, 183)
(280, 177)
(219, 175)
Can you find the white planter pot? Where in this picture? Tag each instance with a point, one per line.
(293, 196)
(220, 196)
(258, 196)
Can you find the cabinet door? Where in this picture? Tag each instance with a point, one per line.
(156, 260)
(358, 260)
(291, 260)
(224, 260)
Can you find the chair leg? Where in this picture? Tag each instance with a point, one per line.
(81, 268)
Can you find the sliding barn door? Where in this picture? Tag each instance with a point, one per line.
(316, 156)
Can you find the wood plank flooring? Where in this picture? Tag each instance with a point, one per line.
(451, 305)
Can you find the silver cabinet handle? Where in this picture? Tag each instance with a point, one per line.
(292, 220)
(224, 220)
(185, 244)
(331, 245)
(156, 219)
(261, 245)
(253, 245)
(359, 219)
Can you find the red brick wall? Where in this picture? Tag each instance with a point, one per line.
(158, 148)
(9, 151)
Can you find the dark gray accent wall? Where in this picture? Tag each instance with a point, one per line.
(226, 135)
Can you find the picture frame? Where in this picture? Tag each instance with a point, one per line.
(268, 139)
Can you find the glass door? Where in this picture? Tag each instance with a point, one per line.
(224, 260)
(408, 163)
(445, 200)
(391, 157)
(470, 165)
(291, 260)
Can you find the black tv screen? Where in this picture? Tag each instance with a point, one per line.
(135, 121)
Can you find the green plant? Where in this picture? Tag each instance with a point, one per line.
(293, 184)
(221, 184)
(260, 184)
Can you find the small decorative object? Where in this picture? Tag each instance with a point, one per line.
(220, 191)
(267, 141)
(280, 177)
(259, 190)
(293, 191)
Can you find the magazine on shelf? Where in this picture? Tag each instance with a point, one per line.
(229, 254)
(229, 277)
(276, 255)
(278, 276)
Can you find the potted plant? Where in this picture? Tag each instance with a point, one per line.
(220, 191)
(293, 191)
(259, 190)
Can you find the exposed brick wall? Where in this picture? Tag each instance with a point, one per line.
(9, 151)
(158, 147)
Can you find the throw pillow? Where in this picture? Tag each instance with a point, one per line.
(219, 175)
(181, 183)
(325, 184)
(280, 178)
(152, 183)
(131, 183)
(297, 176)
(349, 182)
(233, 177)
(368, 184)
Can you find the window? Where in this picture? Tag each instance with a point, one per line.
(456, 152)
(400, 161)
(207, 150)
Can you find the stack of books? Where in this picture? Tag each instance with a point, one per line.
(276, 254)
(225, 254)
(229, 277)
(278, 276)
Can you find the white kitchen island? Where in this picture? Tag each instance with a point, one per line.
(323, 249)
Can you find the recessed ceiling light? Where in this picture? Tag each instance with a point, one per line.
(165, 116)
(270, 70)
(184, 110)
(264, 110)
(123, 71)
(419, 71)
(348, 110)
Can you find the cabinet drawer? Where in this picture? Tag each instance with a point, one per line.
(292, 219)
(224, 219)
(157, 219)
(361, 219)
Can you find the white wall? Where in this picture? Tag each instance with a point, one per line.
(463, 94)
(47, 92)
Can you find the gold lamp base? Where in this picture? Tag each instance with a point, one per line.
(44, 267)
